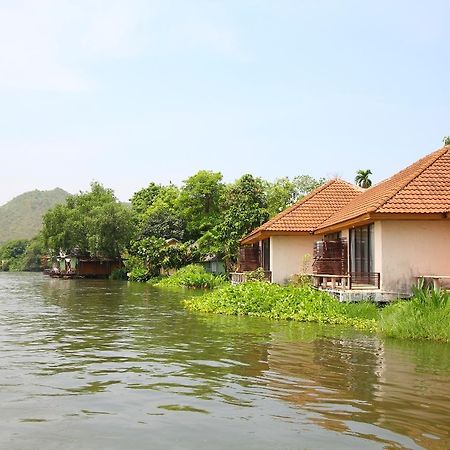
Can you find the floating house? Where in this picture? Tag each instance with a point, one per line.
(74, 266)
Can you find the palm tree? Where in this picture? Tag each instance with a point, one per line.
(362, 178)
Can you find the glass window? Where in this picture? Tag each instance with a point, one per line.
(266, 254)
(362, 249)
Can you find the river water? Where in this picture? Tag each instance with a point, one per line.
(116, 365)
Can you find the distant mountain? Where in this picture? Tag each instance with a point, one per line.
(21, 218)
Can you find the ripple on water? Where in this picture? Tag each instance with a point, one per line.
(108, 364)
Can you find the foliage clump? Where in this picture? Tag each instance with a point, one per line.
(272, 301)
(93, 223)
(22, 255)
(193, 276)
(425, 316)
(206, 216)
(362, 178)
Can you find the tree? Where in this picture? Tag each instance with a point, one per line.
(446, 140)
(245, 205)
(163, 223)
(11, 254)
(199, 202)
(144, 198)
(94, 223)
(156, 213)
(362, 178)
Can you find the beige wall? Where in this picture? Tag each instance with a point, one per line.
(411, 248)
(287, 254)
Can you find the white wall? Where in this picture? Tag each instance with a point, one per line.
(287, 255)
(411, 248)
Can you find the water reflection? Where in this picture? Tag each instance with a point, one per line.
(352, 380)
(127, 358)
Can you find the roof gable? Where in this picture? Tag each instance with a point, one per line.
(308, 213)
(421, 188)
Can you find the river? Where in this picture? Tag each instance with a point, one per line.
(113, 365)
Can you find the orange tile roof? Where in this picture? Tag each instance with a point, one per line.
(309, 212)
(421, 188)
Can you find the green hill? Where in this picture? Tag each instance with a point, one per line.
(21, 218)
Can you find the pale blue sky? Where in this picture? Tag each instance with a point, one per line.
(128, 92)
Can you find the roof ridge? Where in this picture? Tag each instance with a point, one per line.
(440, 152)
(290, 208)
(299, 204)
(302, 201)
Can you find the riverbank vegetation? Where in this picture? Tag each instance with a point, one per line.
(177, 226)
(425, 316)
(192, 276)
(22, 255)
(165, 227)
(304, 304)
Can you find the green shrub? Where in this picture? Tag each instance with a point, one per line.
(119, 274)
(153, 281)
(139, 274)
(272, 301)
(193, 276)
(425, 316)
(257, 275)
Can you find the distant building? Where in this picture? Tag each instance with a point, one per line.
(74, 266)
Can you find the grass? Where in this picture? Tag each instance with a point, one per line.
(260, 299)
(193, 276)
(426, 316)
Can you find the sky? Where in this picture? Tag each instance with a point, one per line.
(126, 92)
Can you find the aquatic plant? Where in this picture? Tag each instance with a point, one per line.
(272, 301)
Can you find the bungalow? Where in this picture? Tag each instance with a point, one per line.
(399, 230)
(283, 246)
(381, 239)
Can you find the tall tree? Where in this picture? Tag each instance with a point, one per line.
(362, 178)
(144, 198)
(162, 223)
(93, 222)
(245, 205)
(199, 202)
(446, 140)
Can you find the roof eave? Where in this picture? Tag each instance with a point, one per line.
(363, 219)
(261, 235)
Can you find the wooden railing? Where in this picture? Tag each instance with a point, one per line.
(242, 277)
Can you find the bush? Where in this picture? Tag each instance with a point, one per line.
(119, 274)
(272, 301)
(139, 274)
(425, 316)
(193, 276)
(257, 275)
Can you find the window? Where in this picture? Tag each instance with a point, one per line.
(362, 249)
(265, 263)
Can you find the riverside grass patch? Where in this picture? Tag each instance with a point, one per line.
(425, 316)
(192, 276)
(304, 304)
